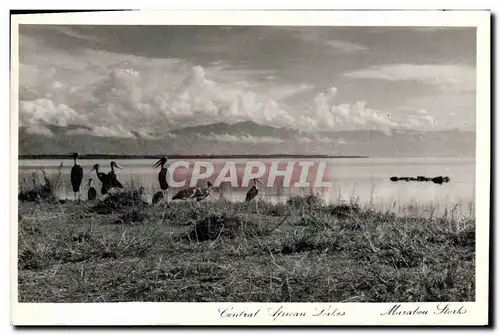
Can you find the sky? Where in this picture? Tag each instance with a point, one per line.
(111, 81)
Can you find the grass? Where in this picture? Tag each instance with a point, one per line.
(41, 191)
(304, 250)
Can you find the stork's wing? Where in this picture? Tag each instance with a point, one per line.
(185, 193)
(202, 193)
(116, 183)
(76, 177)
(252, 193)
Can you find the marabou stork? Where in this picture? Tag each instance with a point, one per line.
(162, 179)
(113, 182)
(103, 177)
(76, 175)
(187, 193)
(202, 193)
(92, 192)
(253, 191)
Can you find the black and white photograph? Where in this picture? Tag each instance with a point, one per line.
(333, 165)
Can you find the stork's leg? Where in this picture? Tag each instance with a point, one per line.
(74, 193)
(257, 205)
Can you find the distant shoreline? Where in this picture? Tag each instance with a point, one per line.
(106, 156)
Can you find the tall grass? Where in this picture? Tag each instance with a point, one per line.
(301, 250)
(41, 188)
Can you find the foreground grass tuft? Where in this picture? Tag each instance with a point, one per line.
(41, 191)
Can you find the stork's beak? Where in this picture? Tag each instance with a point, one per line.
(259, 181)
(157, 163)
(118, 166)
(93, 168)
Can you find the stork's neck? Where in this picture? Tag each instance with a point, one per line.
(74, 160)
(112, 168)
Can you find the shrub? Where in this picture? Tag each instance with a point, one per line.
(41, 191)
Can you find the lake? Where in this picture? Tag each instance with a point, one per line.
(365, 180)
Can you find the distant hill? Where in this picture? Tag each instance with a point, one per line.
(249, 138)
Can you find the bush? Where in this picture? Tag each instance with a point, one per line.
(116, 202)
(308, 202)
(221, 225)
(41, 191)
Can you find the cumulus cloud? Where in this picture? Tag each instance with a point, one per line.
(454, 78)
(45, 112)
(330, 116)
(115, 95)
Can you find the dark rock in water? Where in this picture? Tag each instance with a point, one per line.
(437, 180)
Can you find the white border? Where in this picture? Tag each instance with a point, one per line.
(206, 313)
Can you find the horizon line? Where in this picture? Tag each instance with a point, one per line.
(177, 156)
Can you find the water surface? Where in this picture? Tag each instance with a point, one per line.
(365, 180)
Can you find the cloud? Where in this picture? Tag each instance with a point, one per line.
(118, 95)
(316, 139)
(449, 78)
(344, 46)
(39, 130)
(330, 116)
(44, 111)
(318, 36)
(71, 32)
(103, 131)
(247, 139)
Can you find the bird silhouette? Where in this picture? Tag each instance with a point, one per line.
(76, 175)
(162, 179)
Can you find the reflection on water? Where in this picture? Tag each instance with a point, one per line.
(365, 180)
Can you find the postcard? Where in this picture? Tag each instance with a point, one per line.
(250, 168)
